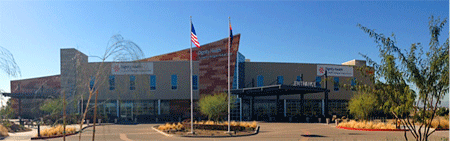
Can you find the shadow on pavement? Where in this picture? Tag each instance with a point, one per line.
(313, 136)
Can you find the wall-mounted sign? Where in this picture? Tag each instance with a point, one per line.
(132, 68)
(343, 71)
(205, 54)
(304, 83)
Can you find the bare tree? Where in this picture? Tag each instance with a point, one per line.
(118, 50)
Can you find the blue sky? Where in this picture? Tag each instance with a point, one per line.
(271, 31)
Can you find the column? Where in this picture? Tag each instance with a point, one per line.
(302, 105)
(240, 110)
(159, 106)
(117, 109)
(285, 108)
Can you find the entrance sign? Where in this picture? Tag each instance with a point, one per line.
(132, 68)
(332, 70)
(304, 83)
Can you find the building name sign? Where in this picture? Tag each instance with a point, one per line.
(342, 71)
(304, 83)
(205, 54)
(132, 68)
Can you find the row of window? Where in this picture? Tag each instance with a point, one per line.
(280, 80)
(174, 82)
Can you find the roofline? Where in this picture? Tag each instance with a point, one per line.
(36, 77)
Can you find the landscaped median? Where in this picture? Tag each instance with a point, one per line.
(368, 126)
(209, 129)
(57, 131)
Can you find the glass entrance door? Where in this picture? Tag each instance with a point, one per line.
(126, 110)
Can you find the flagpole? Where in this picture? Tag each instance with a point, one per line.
(190, 58)
(229, 48)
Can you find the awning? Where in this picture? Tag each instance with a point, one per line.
(274, 90)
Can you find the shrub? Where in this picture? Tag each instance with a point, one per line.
(215, 106)
(440, 122)
(57, 130)
(3, 131)
(366, 125)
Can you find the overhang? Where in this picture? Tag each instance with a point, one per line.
(274, 90)
(30, 95)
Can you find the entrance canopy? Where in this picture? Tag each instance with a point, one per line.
(277, 90)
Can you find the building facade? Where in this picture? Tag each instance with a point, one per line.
(158, 88)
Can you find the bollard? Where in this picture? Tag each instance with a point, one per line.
(337, 122)
(135, 120)
(115, 120)
(327, 120)
(39, 129)
(99, 121)
(320, 120)
(87, 122)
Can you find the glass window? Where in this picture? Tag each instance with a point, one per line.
(353, 84)
(132, 82)
(279, 79)
(260, 80)
(174, 82)
(318, 79)
(336, 84)
(195, 82)
(112, 83)
(165, 107)
(300, 77)
(152, 82)
(91, 83)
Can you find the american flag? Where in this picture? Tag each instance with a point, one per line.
(194, 36)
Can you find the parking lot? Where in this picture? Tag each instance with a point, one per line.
(268, 131)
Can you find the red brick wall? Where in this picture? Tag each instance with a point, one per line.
(34, 85)
(212, 62)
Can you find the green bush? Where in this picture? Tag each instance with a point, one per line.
(215, 106)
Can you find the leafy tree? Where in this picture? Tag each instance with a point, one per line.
(52, 106)
(215, 106)
(362, 105)
(428, 72)
(7, 111)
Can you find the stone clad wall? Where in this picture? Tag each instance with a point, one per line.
(213, 61)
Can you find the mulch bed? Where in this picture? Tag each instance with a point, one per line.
(202, 130)
(441, 129)
(361, 129)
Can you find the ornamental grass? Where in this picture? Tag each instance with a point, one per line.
(57, 131)
(440, 123)
(3, 131)
(366, 125)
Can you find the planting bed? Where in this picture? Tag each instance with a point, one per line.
(362, 129)
(209, 129)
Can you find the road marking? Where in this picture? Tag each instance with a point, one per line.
(124, 137)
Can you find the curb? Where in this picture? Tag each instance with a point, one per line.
(361, 129)
(50, 137)
(169, 135)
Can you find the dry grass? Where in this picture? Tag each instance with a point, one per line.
(3, 131)
(367, 125)
(180, 126)
(169, 126)
(440, 122)
(56, 131)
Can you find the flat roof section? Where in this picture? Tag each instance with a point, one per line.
(280, 89)
(29, 95)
